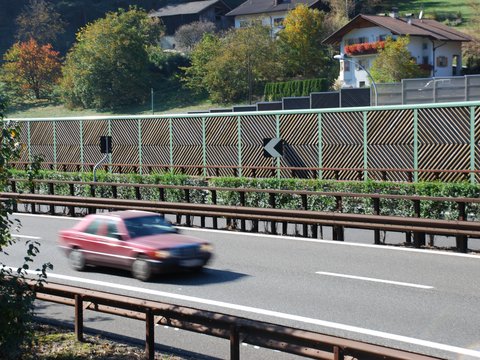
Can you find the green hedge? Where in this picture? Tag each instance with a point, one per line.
(276, 91)
(437, 210)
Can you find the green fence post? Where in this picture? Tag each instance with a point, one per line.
(239, 135)
(365, 147)
(81, 145)
(54, 125)
(320, 148)
(415, 145)
(29, 142)
(277, 118)
(170, 131)
(139, 125)
(204, 146)
(109, 123)
(472, 145)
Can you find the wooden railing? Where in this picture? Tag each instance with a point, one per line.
(237, 329)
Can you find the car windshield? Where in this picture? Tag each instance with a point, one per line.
(148, 225)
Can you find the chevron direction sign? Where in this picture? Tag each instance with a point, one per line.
(273, 147)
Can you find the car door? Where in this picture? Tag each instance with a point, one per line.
(116, 244)
(89, 240)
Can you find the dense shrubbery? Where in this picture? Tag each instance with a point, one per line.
(440, 210)
(278, 90)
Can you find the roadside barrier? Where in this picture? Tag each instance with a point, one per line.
(236, 329)
(419, 227)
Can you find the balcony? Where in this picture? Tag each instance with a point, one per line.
(364, 48)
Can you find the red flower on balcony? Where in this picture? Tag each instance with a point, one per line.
(364, 48)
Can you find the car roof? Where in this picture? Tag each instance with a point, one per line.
(127, 214)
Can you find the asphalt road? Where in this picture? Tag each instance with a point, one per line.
(417, 300)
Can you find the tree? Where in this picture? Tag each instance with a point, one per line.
(301, 43)
(109, 64)
(188, 35)
(40, 21)
(471, 50)
(234, 67)
(31, 69)
(16, 297)
(395, 62)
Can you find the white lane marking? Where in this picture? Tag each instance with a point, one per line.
(276, 314)
(292, 238)
(26, 237)
(374, 280)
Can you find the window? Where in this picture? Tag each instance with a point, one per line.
(346, 66)
(382, 37)
(93, 227)
(442, 61)
(425, 60)
(277, 22)
(424, 46)
(361, 63)
(112, 230)
(361, 84)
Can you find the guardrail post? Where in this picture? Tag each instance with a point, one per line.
(376, 211)
(92, 210)
(149, 335)
(188, 218)
(78, 317)
(243, 226)
(51, 191)
(305, 207)
(32, 191)
(14, 190)
(418, 237)
(138, 195)
(461, 240)
(338, 231)
(234, 343)
(72, 193)
(114, 191)
(338, 353)
(273, 228)
(214, 202)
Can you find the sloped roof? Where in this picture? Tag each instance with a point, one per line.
(193, 7)
(251, 7)
(398, 26)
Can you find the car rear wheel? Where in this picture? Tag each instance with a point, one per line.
(77, 259)
(141, 269)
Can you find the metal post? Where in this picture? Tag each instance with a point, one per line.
(320, 147)
(109, 123)
(78, 317)
(365, 147)
(277, 120)
(472, 145)
(81, 144)
(234, 343)
(29, 142)
(239, 137)
(415, 145)
(54, 125)
(139, 125)
(204, 146)
(151, 93)
(170, 132)
(149, 335)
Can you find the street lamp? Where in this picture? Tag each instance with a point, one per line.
(345, 58)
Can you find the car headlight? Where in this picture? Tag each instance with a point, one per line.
(162, 254)
(206, 248)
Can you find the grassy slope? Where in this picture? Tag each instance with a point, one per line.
(431, 6)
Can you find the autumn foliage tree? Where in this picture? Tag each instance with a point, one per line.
(394, 62)
(31, 69)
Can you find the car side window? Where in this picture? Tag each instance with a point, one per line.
(93, 227)
(112, 229)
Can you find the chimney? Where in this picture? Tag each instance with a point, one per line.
(409, 18)
(394, 13)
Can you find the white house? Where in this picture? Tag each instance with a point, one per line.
(434, 46)
(269, 12)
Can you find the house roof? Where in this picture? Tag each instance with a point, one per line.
(398, 26)
(251, 7)
(193, 7)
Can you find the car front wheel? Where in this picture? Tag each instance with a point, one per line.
(77, 259)
(141, 269)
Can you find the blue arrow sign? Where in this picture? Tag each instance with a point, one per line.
(273, 147)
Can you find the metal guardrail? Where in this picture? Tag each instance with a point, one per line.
(461, 228)
(237, 329)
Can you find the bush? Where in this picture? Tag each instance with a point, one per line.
(278, 90)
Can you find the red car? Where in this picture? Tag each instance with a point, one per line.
(140, 241)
